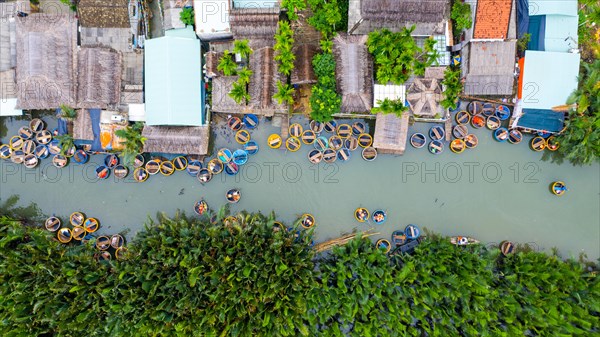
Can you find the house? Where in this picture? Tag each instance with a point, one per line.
(257, 25)
(98, 78)
(212, 19)
(423, 96)
(488, 58)
(391, 131)
(354, 73)
(8, 56)
(550, 67)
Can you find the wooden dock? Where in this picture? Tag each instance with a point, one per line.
(448, 127)
(285, 126)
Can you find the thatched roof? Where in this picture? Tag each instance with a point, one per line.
(258, 25)
(212, 62)
(489, 67)
(8, 88)
(45, 60)
(391, 133)
(99, 77)
(176, 139)
(263, 83)
(303, 72)
(424, 96)
(82, 126)
(354, 73)
(221, 101)
(103, 13)
(429, 16)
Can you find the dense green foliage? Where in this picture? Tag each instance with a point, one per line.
(187, 16)
(67, 113)
(239, 90)
(397, 56)
(243, 48)
(387, 106)
(226, 64)
(284, 42)
(239, 277)
(522, 43)
(589, 30)
(461, 15)
(452, 87)
(580, 142)
(327, 16)
(285, 93)
(292, 7)
(324, 100)
(66, 142)
(132, 141)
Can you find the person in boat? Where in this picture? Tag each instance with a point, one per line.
(560, 188)
(379, 217)
(200, 208)
(307, 222)
(233, 196)
(462, 240)
(362, 214)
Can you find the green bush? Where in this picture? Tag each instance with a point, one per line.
(452, 87)
(326, 17)
(324, 100)
(292, 7)
(387, 106)
(461, 15)
(187, 16)
(284, 42)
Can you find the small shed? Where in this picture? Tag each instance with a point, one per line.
(354, 73)
(176, 139)
(489, 68)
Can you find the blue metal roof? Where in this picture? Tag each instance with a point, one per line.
(542, 119)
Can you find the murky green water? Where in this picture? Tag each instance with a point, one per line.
(495, 192)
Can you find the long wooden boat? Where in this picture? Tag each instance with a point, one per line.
(463, 240)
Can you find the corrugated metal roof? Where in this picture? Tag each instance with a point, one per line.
(549, 7)
(561, 33)
(491, 67)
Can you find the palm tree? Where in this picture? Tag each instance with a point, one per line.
(226, 64)
(66, 142)
(285, 93)
(133, 142)
(241, 47)
(244, 75)
(239, 93)
(68, 114)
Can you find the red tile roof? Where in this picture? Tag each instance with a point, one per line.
(492, 19)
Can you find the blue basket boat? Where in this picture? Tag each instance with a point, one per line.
(503, 112)
(81, 157)
(240, 157)
(224, 155)
(501, 134)
(193, 167)
(436, 147)
(417, 140)
(412, 232)
(437, 132)
(399, 238)
(343, 154)
(102, 172)
(251, 147)
(515, 136)
(250, 121)
(358, 128)
(321, 143)
(41, 151)
(379, 217)
(111, 160)
(232, 168)
(331, 126)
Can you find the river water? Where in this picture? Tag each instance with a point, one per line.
(494, 192)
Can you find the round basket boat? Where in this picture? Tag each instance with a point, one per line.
(316, 127)
(293, 144)
(251, 147)
(234, 123)
(558, 188)
(515, 136)
(41, 151)
(308, 137)
(295, 130)
(331, 126)
(233, 196)
(64, 235)
(167, 168)
(475, 107)
(501, 134)
(242, 137)
(36, 125)
(329, 156)
(17, 157)
(60, 161)
(214, 219)
(460, 131)
(335, 142)
(488, 109)
(412, 232)
(103, 242)
(44, 137)
(493, 122)
(538, 143)
(250, 121)
(215, 166)
(5, 151)
(111, 161)
(278, 226)
(437, 132)
(436, 147)
(457, 146)
(471, 141)
(28, 146)
(462, 117)
(91, 225)
(121, 253)
(54, 132)
(358, 128)
(321, 143)
(361, 214)
(344, 131)
(507, 248)
(30, 161)
(308, 221)
(398, 238)
(80, 157)
(418, 140)
(552, 144)
(200, 207)
(139, 160)
(503, 112)
(180, 163)
(379, 217)
(274, 141)
(351, 143)
(224, 155)
(121, 171)
(88, 238)
(103, 256)
(140, 174)
(102, 172)
(71, 152)
(25, 132)
(54, 147)
(365, 140)
(343, 154)
(52, 224)
(478, 121)
(204, 175)
(78, 233)
(384, 245)
(231, 168)
(240, 157)
(117, 241)
(369, 153)
(193, 168)
(77, 218)
(16, 142)
(315, 156)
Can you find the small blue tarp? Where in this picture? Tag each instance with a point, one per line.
(537, 29)
(542, 119)
(95, 118)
